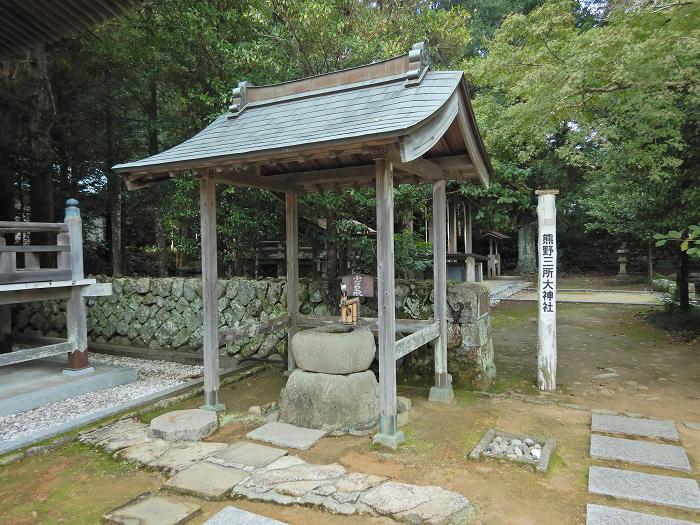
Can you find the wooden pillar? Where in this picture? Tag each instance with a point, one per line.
(76, 314)
(389, 434)
(469, 242)
(8, 263)
(452, 234)
(292, 244)
(547, 277)
(210, 321)
(442, 391)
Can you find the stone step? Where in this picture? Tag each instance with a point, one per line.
(634, 426)
(601, 515)
(640, 452)
(247, 455)
(234, 516)
(649, 488)
(153, 510)
(286, 435)
(206, 480)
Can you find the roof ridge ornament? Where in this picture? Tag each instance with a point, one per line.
(239, 95)
(417, 63)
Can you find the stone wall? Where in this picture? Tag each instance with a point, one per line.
(167, 313)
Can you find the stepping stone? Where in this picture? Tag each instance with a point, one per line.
(691, 425)
(120, 434)
(600, 515)
(286, 435)
(633, 426)
(251, 455)
(153, 510)
(185, 425)
(640, 452)
(234, 516)
(649, 488)
(206, 480)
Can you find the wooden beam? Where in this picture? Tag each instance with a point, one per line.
(423, 168)
(30, 295)
(33, 248)
(292, 247)
(30, 354)
(32, 276)
(440, 281)
(403, 326)
(386, 298)
(251, 180)
(210, 321)
(29, 227)
(248, 330)
(417, 339)
(329, 175)
(454, 163)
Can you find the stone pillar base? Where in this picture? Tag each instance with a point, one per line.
(211, 402)
(441, 394)
(389, 440)
(80, 372)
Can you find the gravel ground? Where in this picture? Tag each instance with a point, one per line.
(153, 376)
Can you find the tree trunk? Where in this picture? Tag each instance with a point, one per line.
(682, 279)
(527, 247)
(650, 262)
(7, 176)
(331, 252)
(114, 192)
(153, 146)
(40, 123)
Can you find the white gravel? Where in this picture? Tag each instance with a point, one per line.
(153, 376)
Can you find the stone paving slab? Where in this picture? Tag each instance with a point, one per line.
(289, 481)
(206, 480)
(634, 426)
(247, 455)
(601, 515)
(185, 425)
(649, 488)
(286, 435)
(234, 516)
(152, 510)
(120, 434)
(640, 452)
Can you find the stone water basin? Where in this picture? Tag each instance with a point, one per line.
(334, 349)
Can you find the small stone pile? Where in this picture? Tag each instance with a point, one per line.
(527, 449)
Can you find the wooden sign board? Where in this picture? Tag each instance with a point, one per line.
(359, 285)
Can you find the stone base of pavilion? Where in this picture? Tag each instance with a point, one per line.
(223, 471)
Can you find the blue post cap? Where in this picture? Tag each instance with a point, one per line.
(72, 209)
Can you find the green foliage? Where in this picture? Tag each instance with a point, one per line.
(411, 255)
(688, 240)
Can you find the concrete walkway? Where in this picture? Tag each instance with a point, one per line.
(630, 297)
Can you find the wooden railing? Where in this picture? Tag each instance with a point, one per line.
(32, 282)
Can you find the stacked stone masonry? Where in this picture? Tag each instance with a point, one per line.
(166, 313)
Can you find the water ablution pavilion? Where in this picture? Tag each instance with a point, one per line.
(387, 123)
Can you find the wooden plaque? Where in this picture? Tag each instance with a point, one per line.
(359, 285)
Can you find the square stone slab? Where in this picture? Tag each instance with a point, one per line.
(286, 435)
(634, 426)
(640, 452)
(249, 455)
(185, 425)
(206, 480)
(649, 488)
(601, 515)
(234, 516)
(152, 510)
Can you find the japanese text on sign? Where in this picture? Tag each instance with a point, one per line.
(548, 273)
